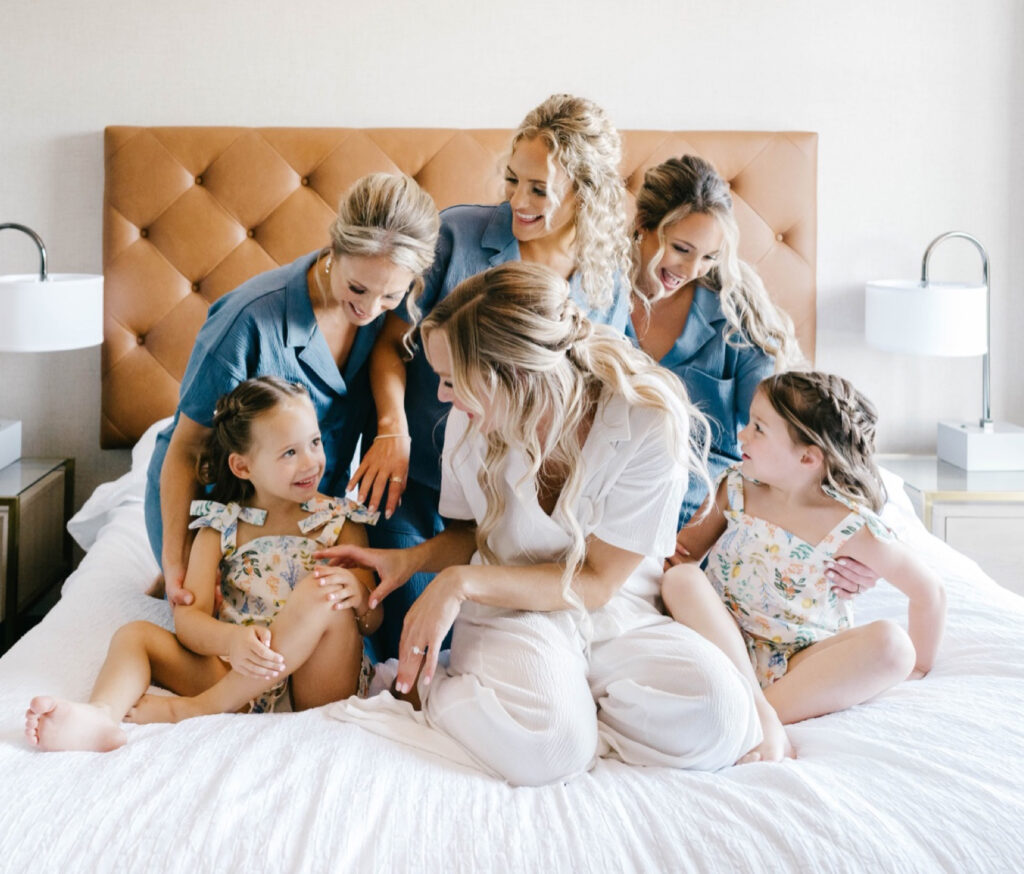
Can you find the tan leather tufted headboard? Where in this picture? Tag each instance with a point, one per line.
(191, 212)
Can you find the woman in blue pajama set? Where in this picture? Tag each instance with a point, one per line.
(565, 208)
(700, 311)
(313, 322)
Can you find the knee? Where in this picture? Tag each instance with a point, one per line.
(890, 647)
(138, 633)
(539, 759)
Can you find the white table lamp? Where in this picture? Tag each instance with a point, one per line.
(45, 313)
(947, 318)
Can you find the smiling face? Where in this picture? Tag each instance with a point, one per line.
(439, 354)
(692, 248)
(531, 188)
(364, 286)
(286, 459)
(770, 454)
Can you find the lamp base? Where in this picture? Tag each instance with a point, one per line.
(967, 445)
(10, 441)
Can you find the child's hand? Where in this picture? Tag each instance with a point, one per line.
(250, 653)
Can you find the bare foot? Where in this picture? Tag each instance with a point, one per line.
(164, 708)
(775, 745)
(53, 724)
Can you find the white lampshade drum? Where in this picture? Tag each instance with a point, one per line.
(937, 318)
(64, 311)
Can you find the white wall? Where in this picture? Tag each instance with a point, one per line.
(917, 102)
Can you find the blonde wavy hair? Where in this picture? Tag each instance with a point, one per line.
(583, 141)
(683, 186)
(388, 215)
(525, 356)
(826, 411)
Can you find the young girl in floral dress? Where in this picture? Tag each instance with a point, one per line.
(806, 489)
(286, 626)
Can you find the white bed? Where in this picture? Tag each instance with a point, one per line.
(925, 778)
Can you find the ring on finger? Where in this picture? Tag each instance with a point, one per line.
(396, 479)
(417, 651)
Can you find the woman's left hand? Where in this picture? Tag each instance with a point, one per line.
(427, 622)
(850, 577)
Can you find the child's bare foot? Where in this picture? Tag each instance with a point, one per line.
(164, 708)
(775, 746)
(53, 724)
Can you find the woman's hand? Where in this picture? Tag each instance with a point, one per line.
(850, 577)
(427, 622)
(174, 584)
(342, 589)
(384, 466)
(392, 566)
(250, 653)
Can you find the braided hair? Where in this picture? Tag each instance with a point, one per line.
(232, 433)
(826, 411)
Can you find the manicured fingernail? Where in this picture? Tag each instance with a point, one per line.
(842, 561)
(373, 603)
(387, 515)
(830, 575)
(426, 681)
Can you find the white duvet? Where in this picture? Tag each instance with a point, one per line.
(925, 778)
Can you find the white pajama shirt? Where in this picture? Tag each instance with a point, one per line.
(523, 693)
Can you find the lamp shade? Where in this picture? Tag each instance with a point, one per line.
(926, 318)
(63, 311)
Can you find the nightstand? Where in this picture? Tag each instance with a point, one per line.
(979, 513)
(36, 497)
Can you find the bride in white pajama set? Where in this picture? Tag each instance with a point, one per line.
(549, 669)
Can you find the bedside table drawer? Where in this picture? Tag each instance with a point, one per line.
(992, 535)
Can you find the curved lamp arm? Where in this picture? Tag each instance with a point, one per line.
(38, 241)
(986, 393)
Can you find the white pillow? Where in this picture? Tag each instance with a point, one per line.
(85, 525)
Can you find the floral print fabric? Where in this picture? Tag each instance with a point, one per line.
(258, 576)
(774, 582)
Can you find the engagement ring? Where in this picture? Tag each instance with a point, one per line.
(417, 651)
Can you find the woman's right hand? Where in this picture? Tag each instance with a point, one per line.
(250, 653)
(174, 584)
(384, 466)
(393, 567)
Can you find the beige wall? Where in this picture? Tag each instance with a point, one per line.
(918, 104)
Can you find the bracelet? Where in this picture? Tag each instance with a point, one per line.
(386, 436)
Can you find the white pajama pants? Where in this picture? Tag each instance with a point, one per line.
(521, 697)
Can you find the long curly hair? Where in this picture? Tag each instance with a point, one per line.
(583, 141)
(232, 433)
(525, 356)
(826, 411)
(683, 186)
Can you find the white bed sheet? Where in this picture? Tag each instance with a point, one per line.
(925, 778)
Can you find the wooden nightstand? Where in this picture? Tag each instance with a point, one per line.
(36, 497)
(979, 513)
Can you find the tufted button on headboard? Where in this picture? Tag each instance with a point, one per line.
(191, 212)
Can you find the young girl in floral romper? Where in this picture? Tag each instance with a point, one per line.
(806, 489)
(285, 625)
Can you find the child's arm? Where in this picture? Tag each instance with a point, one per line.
(698, 535)
(246, 646)
(386, 462)
(926, 612)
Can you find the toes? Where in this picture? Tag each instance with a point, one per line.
(42, 704)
